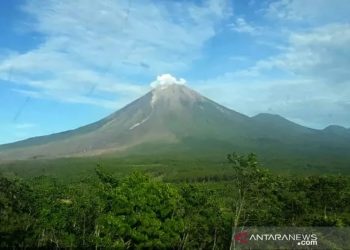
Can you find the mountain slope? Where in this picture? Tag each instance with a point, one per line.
(173, 119)
(166, 115)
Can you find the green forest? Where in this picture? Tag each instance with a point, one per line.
(140, 210)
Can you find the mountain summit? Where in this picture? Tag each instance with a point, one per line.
(166, 115)
(174, 119)
(174, 96)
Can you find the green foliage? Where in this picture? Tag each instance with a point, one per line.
(16, 213)
(66, 214)
(141, 211)
(203, 217)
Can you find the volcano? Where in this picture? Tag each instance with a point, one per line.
(174, 119)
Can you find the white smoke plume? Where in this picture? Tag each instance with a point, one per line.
(167, 79)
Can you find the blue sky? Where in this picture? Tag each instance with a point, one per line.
(67, 63)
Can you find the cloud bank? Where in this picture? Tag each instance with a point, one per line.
(101, 52)
(307, 80)
(289, 57)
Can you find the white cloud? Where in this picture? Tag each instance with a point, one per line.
(304, 101)
(24, 126)
(310, 11)
(307, 82)
(322, 54)
(99, 46)
(240, 25)
(167, 79)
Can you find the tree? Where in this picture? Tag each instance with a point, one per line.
(248, 176)
(141, 213)
(16, 213)
(203, 218)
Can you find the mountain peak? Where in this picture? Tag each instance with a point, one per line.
(174, 94)
(168, 85)
(335, 129)
(174, 118)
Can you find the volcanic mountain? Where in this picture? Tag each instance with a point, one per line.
(174, 119)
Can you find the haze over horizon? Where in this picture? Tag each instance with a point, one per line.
(64, 64)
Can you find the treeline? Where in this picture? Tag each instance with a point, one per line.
(204, 178)
(143, 212)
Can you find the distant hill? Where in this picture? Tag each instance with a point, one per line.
(174, 119)
(337, 130)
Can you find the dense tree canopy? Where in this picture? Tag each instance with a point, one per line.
(139, 211)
